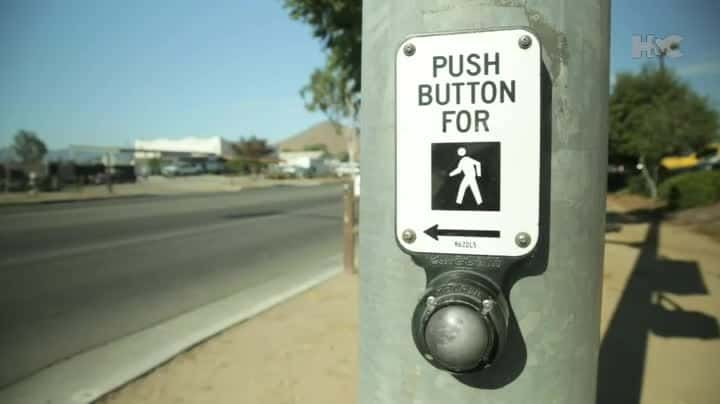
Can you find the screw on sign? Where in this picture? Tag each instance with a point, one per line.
(408, 236)
(525, 41)
(409, 49)
(522, 239)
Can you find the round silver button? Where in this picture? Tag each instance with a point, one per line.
(458, 337)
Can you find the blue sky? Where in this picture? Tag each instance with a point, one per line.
(696, 21)
(108, 72)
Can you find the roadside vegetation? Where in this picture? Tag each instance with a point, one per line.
(654, 115)
(691, 190)
(664, 139)
(334, 89)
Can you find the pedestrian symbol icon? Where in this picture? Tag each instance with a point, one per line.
(470, 169)
(466, 176)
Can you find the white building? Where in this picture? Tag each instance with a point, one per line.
(302, 159)
(194, 146)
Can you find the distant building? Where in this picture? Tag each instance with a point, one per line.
(190, 146)
(304, 159)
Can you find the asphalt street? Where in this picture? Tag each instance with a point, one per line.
(75, 276)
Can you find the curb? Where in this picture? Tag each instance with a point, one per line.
(92, 374)
(114, 197)
(44, 202)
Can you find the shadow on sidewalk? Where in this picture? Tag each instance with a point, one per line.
(614, 220)
(643, 308)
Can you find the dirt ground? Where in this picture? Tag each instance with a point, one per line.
(661, 304)
(705, 220)
(660, 310)
(265, 360)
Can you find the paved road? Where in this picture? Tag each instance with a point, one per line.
(76, 276)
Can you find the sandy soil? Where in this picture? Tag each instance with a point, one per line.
(265, 360)
(660, 310)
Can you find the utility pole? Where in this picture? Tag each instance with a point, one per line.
(662, 53)
(7, 175)
(557, 310)
(109, 163)
(349, 227)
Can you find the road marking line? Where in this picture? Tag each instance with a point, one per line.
(89, 375)
(70, 251)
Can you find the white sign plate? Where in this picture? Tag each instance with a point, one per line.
(468, 142)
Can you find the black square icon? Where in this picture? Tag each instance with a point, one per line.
(466, 176)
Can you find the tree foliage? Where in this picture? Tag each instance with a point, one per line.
(252, 147)
(316, 147)
(692, 189)
(252, 153)
(653, 114)
(334, 89)
(29, 147)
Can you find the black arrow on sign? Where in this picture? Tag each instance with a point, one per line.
(434, 232)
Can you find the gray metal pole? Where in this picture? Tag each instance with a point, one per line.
(7, 175)
(558, 312)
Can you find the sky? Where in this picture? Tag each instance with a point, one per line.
(696, 22)
(108, 72)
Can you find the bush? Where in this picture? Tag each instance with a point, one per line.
(237, 166)
(637, 185)
(691, 189)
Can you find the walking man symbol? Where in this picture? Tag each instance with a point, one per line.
(471, 169)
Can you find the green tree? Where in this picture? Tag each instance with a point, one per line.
(316, 147)
(334, 89)
(29, 147)
(343, 157)
(251, 153)
(653, 114)
(155, 166)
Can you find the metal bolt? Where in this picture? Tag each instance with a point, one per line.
(408, 236)
(522, 240)
(409, 49)
(525, 41)
(430, 301)
(487, 306)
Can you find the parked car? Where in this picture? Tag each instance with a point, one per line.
(214, 167)
(292, 171)
(705, 159)
(347, 169)
(709, 158)
(181, 168)
(18, 181)
(286, 171)
(121, 174)
(710, 165)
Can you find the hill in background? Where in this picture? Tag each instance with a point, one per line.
(323, 133)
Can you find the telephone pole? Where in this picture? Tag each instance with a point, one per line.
(558, 309)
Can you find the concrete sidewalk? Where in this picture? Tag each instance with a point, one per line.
(659, 346)
(301, 351)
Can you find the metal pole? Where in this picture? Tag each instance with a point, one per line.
(7, 175)
(109, 172)
(558, 311)
(349, 228)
